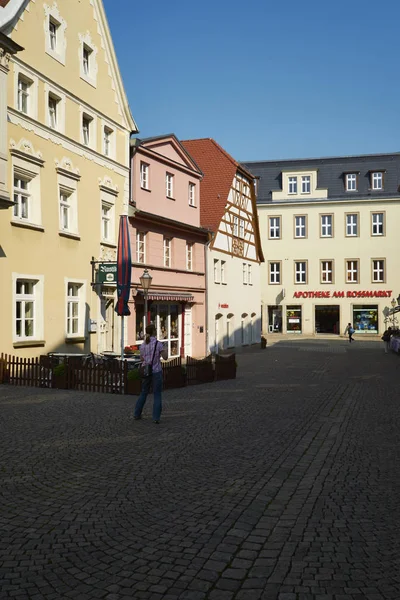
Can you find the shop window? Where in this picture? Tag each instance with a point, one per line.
(365, 318)
(293, 319)
(139, 323)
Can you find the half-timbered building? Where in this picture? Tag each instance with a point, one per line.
(228, 209)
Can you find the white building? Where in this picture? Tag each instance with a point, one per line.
(329, 230)
(228, 209)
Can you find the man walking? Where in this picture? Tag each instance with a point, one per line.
(349, 330)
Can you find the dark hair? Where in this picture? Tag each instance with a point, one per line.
(150, 331)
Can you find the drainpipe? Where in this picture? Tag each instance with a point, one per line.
(206, 249)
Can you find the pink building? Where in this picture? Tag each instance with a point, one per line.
(167, 239)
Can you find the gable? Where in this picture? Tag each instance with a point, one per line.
(170, 148)
(82, 23)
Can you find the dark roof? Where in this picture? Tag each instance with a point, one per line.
(330, 175)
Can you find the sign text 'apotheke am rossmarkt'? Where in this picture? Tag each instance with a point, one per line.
(347, 294)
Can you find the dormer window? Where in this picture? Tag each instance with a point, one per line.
(351, 182)
(377, 180)
(292, 185)
(306, 184)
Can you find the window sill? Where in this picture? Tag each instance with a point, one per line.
(170, 198)
(27, 225)
(192, 206)
(145, 189)
(69, 234)
(75, 340)
(90, 80)
(29, 343)
(108, 244)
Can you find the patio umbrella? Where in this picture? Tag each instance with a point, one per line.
(124, 272)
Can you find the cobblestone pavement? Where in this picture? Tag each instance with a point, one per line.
(283, 484)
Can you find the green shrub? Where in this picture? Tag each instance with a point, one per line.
(133, 375)
(59, 370)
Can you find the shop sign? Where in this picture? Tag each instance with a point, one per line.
(107, 273)
(347, 294)
(223, 305)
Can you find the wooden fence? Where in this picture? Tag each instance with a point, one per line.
(110, 376)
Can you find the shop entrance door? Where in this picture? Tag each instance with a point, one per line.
(327, 319)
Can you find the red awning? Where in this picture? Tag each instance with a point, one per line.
(168, 296)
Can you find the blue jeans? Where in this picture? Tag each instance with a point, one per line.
(156, 379)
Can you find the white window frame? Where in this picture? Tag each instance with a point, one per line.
(144, 175)
(169, 185)
(140, 247)
(249, 274)
(65, 209)
(167, 246)
(106, 222)
(53, 35)
(25, 75)
(351, 182)
(80, 300)
(300, 226)
(107, 141)
(326, 271)
(108, 197)
(377, 180)
(352, 270)
(352, 225)
(58, 97)
(189, 256)
(86, 129)
(292, 185)
(306, 184)
(274, 272)
(192, 194)
(378, 270)
(86, 60)
(52, 108)
(86, 44)
(24, 86)
(244, 271)
(235, 226)
(52, 15)
(274, 228)
(38, 321)
(217, 272)
(68, 183)
(327, 226)
(377, 223)
(223, 272)
(22, 197)
(241, 228)
(300, 273)
(28, 167)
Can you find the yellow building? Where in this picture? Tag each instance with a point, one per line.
(67, 169)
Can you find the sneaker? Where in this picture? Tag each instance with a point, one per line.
(157, 422)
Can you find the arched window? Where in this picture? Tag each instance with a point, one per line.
(230, 330)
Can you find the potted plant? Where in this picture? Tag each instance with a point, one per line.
(131, 350)
(59, 378)
(133, 382)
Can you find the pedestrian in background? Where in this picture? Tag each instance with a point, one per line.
(349, 330)
(151, 352)
(386, 338)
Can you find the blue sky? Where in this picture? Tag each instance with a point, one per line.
(265, 79)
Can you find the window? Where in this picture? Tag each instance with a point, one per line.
(23, 94)
(377, 181)
(352, 225)
(244, 274)
(326, 271)
(65, 210)
(241, 228)
(140, 247)
(274, 228)
(351, 182)
(74, 325)
(192, 194)
(86, 52)
(167, 252)
(189, 256)
(274, 272)
(377, 224)
(216, 271)
(300, 227)
(25, 309)
(169, 185)
(86, 121)
(106, 219)
(378, 270)
(144, 175)
(249, 275)
(326, 225)
(107, 141)
(53, 26)
(352, 271)
(223, 272)
(292, 185)
(293, 319)
(306, 184)
(300, 269)
(236, 226)
(53, 110)
(22, 207)
(365, 318)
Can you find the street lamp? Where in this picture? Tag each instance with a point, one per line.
(145, 281)
(394, 304)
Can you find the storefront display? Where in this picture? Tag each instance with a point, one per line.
(365, 319)
(293, 319)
